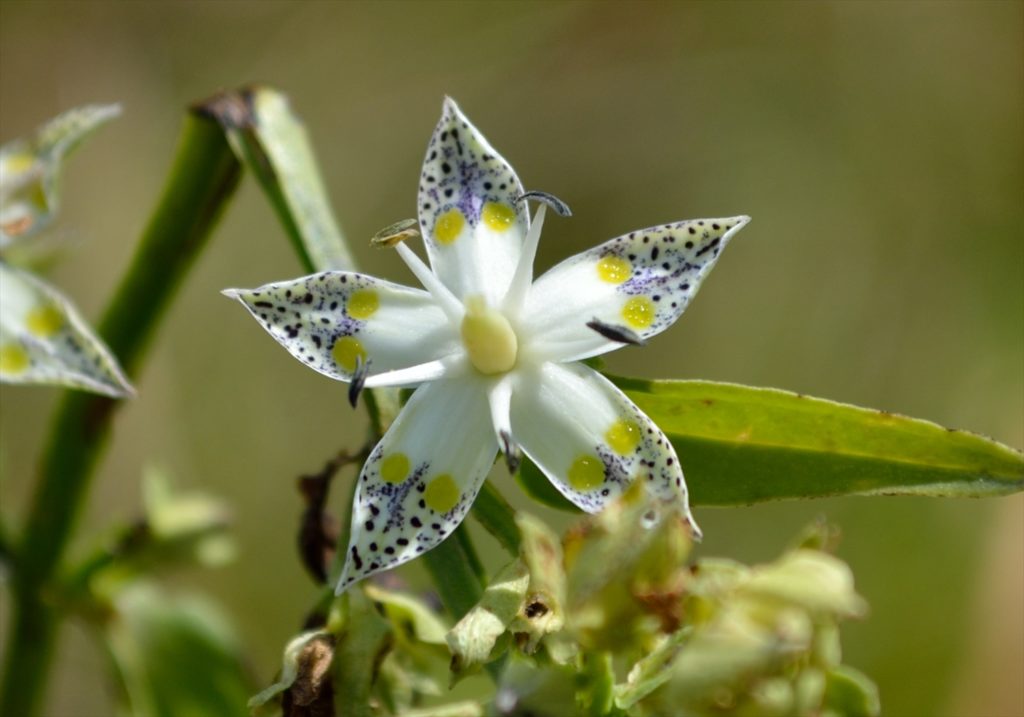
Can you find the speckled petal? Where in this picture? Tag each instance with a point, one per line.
(43, 339)
(590, 440)
(334, 320)
(641, 282)
(422, 477)
(470, 222)
(30, 171)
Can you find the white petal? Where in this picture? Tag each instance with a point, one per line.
(640, 282)
(590, 440)
(470, 222)
(328, 321)
(422, 477)
(43, 339)
(30, 171)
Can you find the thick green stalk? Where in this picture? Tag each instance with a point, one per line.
(203, 178)
(452, 570)
(498, 517)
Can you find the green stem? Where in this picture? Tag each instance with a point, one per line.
(451, 568)
(498, 517)
(203, 178)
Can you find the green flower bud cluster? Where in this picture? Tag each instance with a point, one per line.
(611, 619)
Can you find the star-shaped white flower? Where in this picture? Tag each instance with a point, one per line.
(495, 355)
(43, 338)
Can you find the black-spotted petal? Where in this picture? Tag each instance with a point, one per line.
(335, 322)
(640, 283)
(44, 340)
(470, 220)
(589, 439)
(422, 477)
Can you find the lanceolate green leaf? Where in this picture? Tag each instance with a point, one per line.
(272, 143)
(744, 445)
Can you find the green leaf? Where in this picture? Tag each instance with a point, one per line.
(536, 485)
(495, 514)
(456, 709)
(850, 693)
(366, 639)
(175, 657)
(473, 639)
(403, 610)
(651, 671)
(272, 143)
(742, 445)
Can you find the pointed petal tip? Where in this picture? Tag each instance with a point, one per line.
(741, 221)
(695, 532)
(110, 110)
(342, 586)
(449, 105)
(127, 391)
(232, 293)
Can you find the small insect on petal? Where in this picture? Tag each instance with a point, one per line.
(396, 233)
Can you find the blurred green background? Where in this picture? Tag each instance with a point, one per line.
(878, 147)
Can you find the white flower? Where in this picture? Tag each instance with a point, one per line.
(43, 339)
(494, 354)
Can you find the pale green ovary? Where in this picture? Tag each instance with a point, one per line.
(490, 342)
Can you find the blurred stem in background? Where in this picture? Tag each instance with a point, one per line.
(203, 178)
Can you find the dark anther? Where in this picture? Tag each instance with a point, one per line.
(560, 208)
(358, 379)
(614, 332)
(513, 455)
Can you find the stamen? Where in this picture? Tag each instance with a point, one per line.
(560, 207)
(500, 400)
(523, 277)
(421, 373)
(444, 298)
(614, 332)
(513, 454)
(358, 380)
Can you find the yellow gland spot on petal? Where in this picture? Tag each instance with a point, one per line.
(624, 436)
(17, 163)
(638, 312)
(44, 321)
(363, 304)
(586, 473)
(614, 269)
(346, 352)
(498, 217)
(394, 468)
(490, 342)
(449, 225)
(13, 359)
(441, 494)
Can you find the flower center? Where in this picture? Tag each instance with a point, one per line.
(489, 339)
